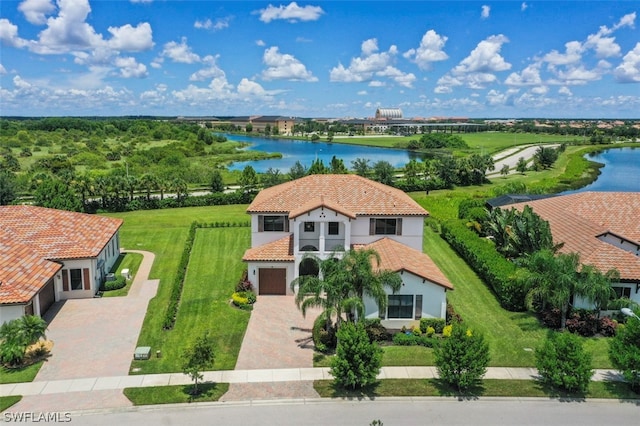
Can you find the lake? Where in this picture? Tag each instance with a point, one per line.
(621, 171)
(306, 152)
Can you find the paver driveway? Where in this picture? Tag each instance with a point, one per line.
(278, 336)
(97, 337)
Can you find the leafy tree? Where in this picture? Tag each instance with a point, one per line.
(337, 166)
(504, 171)
(317, 168)
(544, 157)
(521, 167)
(518, 233)
(563, 363)
(462, 358)
(361, 166)
(55, 194)
(297, 171)
(248, 128)
(447, 170)
(249, 179)
(271, 177)
(7, 188)
(198, 358)
(624, 352)
(383, 172)
(16, 335)
(148, 182)
(217, 184)
(412, 170)
(357, 360)
(10, 163)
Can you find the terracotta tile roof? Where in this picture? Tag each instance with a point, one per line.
(58, 234)
(351, 193)
(23, 272)
(578, 219)
(397, 257)
(277, 251)
(318, 202)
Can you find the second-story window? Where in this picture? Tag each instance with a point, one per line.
(334, 228)
(385, 226)
(273, 224)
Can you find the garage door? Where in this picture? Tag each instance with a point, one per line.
(47, 297)
(273, 281)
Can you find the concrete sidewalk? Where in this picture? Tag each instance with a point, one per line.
(252, 376)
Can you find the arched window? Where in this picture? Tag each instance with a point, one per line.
(308, 266)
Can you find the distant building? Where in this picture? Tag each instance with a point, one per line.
(388, 114)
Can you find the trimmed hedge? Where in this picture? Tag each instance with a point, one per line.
(116, 284)
(491, 266)
(176, 290)
(411, 339)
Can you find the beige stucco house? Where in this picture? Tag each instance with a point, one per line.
(327, 214)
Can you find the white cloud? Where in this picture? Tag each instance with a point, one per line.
(371, 63)
(486, 10)
(283, 66)
(524, 6)
(291, 13)
(208, 24)
(260, 43)
(429, 51)
(36, 11)
(572, 55)
(540, 90)
(211, 71)
(9, 34)
(564, 90)
(627, 20)
(130, 68)
(3, 70)
(362, 93)
(530, 76)
(132, 39)
(629, 70)
(180, 52)
(485, 57)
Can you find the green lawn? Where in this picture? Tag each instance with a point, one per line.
(481, 142)
(164, 232)
(129, 261)
(488, 387)
(18, 375)
(175, 394)
(8, 401)
(214, 269)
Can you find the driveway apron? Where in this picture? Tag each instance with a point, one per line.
(97, 337)
(278, 336)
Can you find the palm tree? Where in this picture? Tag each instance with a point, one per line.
(328, 291)
(31, 329)
(148, 182)
(361, 271)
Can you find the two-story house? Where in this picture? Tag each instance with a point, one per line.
(328, 214)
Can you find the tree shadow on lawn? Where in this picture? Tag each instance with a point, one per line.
(623, 391)
(470, 394)
(206, 391)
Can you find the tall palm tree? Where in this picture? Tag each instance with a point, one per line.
(361, 270)
(148, 182)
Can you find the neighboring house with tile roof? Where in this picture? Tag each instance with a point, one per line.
(602, 227)
(47, 255)
(324, 215)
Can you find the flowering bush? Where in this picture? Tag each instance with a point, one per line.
(446, 331)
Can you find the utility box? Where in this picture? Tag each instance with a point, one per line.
(142, 352)
(111, 277)
(125, 274)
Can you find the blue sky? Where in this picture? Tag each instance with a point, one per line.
(577, 59)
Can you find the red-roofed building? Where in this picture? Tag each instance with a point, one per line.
(47, 255)
(602, 227)
(328, 214)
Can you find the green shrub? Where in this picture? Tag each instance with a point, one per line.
(116, 284)
(243, 298)
(410, 339)
(490, 265)
(375, 330)
(430, 331)
(462, 359)
(563, 363)
(357, 361)
(436, 323)
(323, 339)
(624, 352)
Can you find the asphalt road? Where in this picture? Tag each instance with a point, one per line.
(390, 411)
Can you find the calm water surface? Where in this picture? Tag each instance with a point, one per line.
(306, 152)
(621, 171)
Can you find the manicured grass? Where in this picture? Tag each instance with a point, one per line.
(18, 375)
(8, 401)
(175, 394)
(129, 261)
(488, 387)
(214, 269)
(164, 232)
(481, 142)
